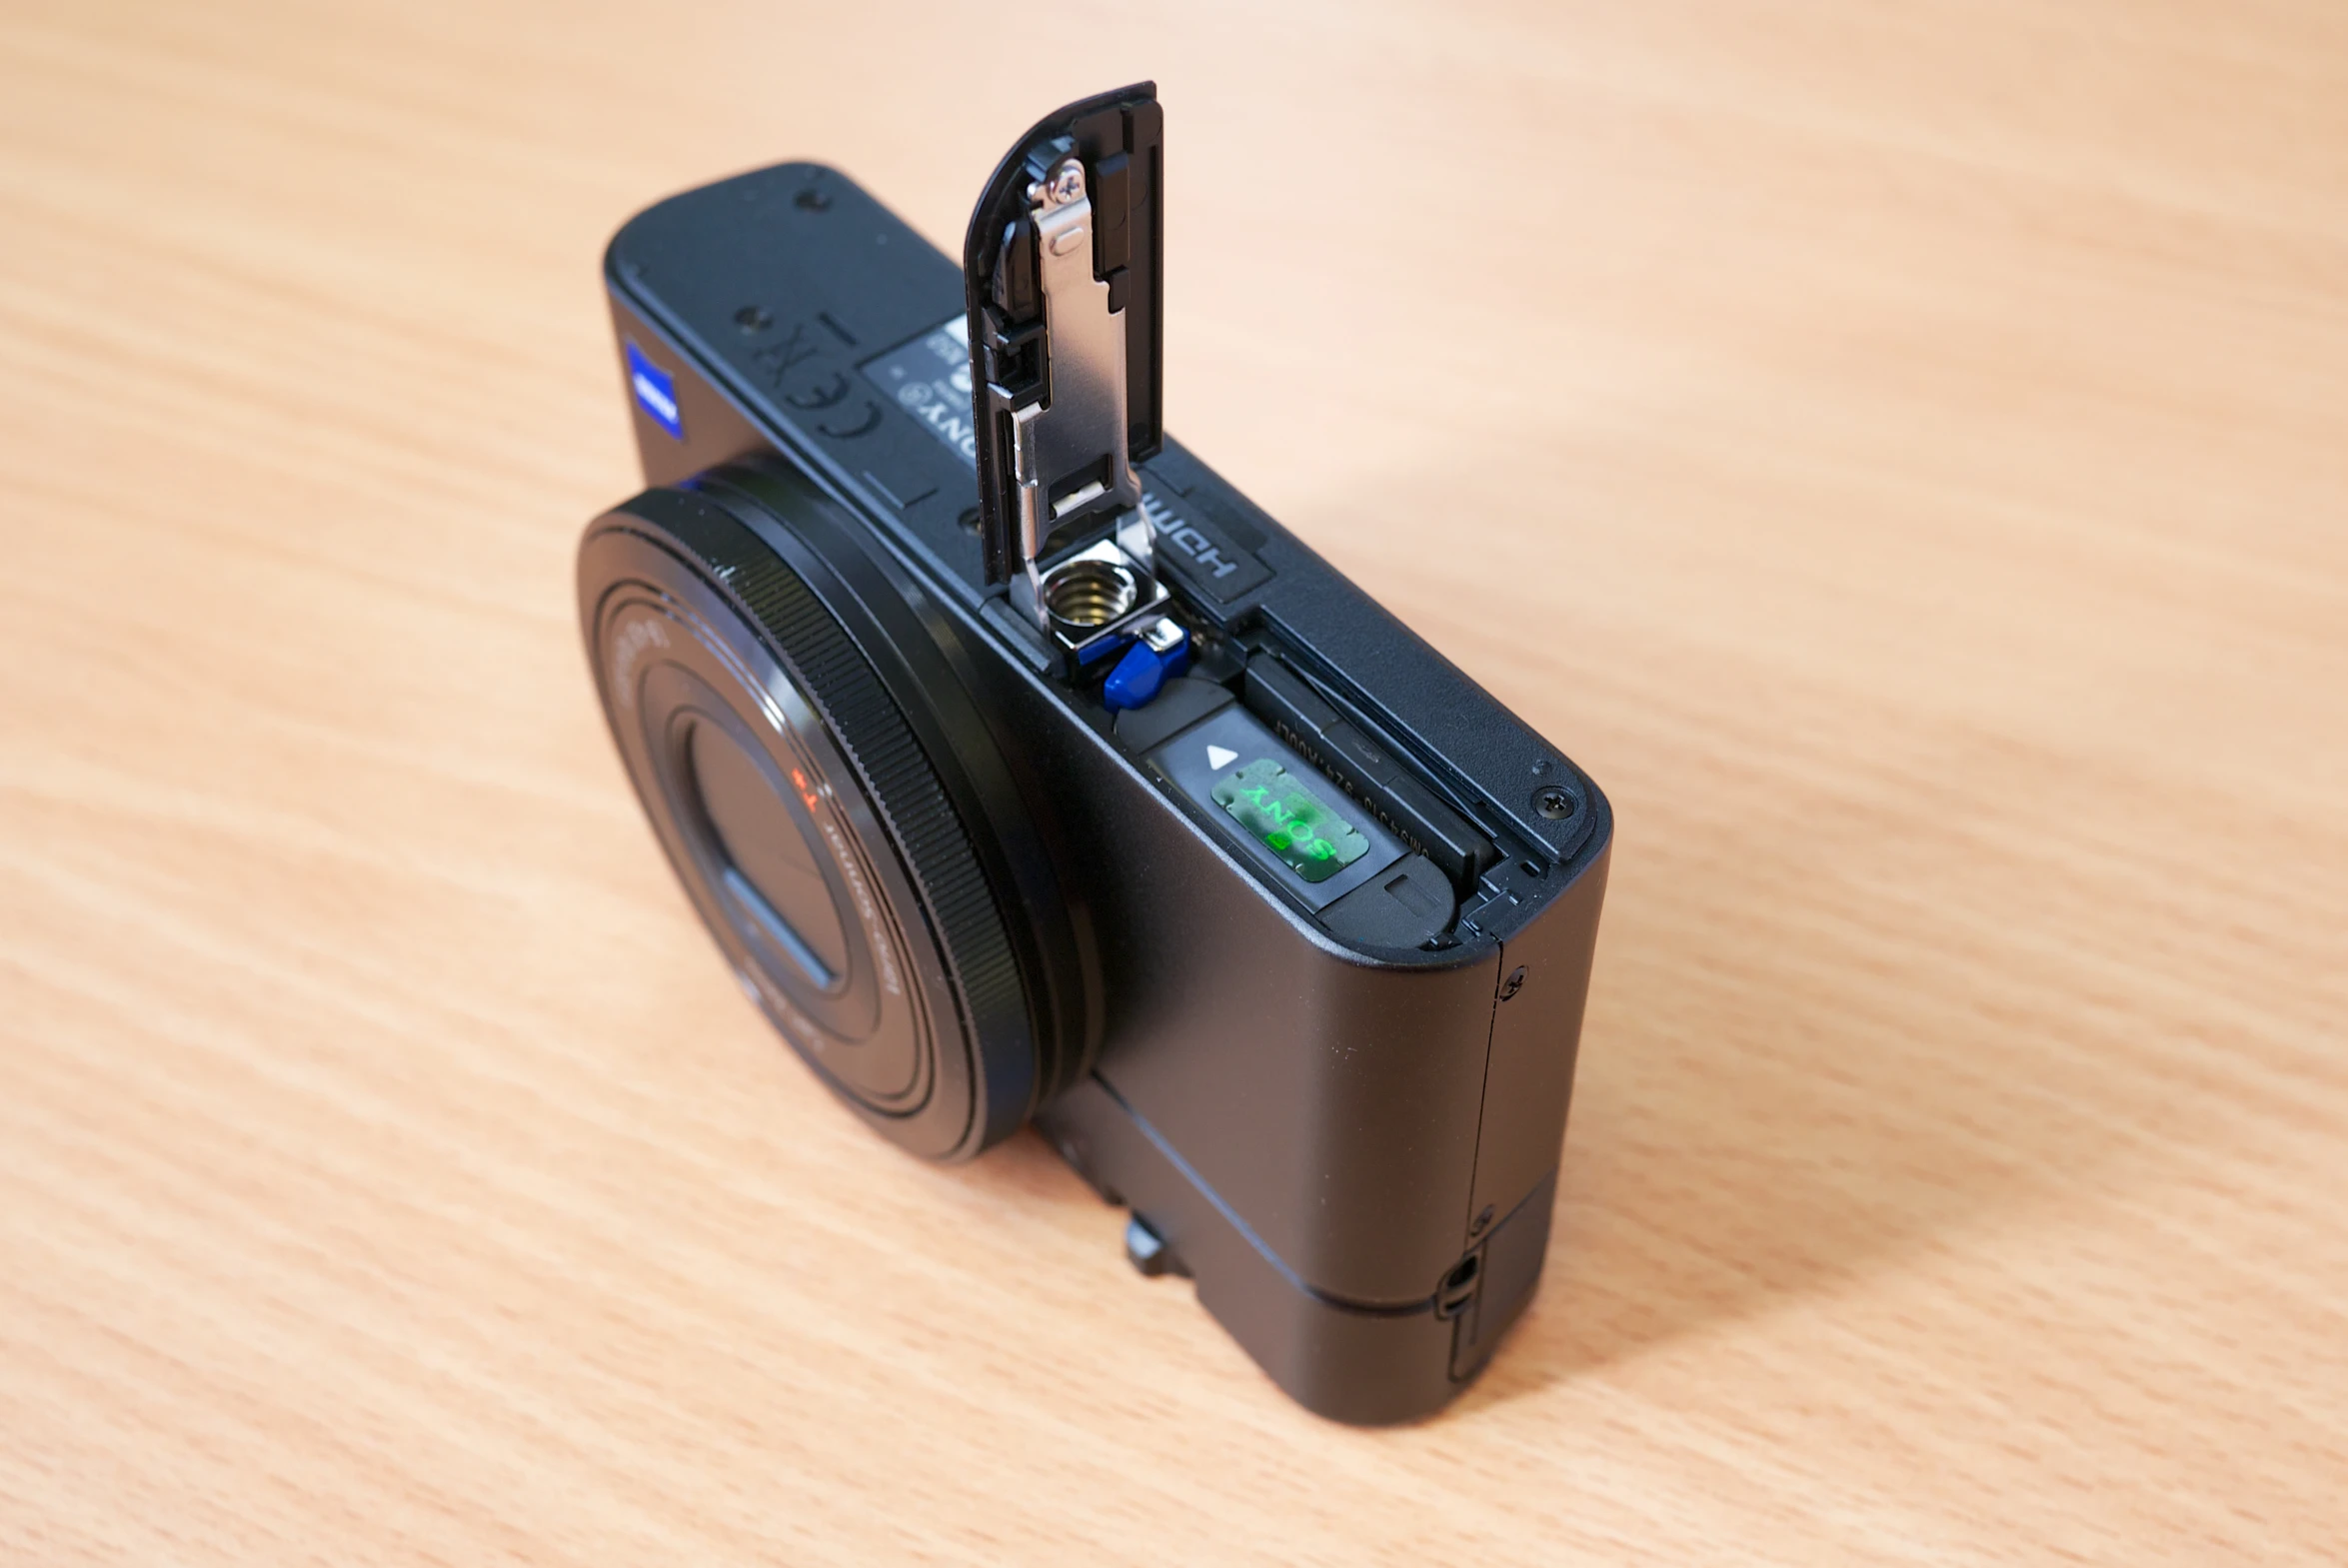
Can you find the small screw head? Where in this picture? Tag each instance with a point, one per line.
(1513, 984)
(754, 318)
(1552, 802)
(811, 199)
(1067, 182)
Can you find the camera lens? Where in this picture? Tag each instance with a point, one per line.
(770, 863)
(811, 761)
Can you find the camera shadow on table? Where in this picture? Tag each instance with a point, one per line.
(1842, 1011)
(1836, 1022)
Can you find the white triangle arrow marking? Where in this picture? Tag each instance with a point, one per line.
(1219, 756)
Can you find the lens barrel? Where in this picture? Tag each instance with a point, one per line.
(804, 740)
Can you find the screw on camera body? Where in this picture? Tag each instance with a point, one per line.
(1065, 185)
(1552, 802)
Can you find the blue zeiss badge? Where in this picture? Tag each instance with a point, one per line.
(656, 392)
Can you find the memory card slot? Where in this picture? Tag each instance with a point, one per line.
(1366, 771)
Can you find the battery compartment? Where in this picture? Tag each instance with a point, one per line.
(1441, 864)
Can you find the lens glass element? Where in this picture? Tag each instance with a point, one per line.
(773, 704)
(770, 871)
(780, 845)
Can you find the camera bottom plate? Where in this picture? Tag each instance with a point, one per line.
(1368, 1366)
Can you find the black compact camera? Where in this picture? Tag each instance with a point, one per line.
(1024, 770)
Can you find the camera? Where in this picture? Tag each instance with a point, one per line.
(1024, 770)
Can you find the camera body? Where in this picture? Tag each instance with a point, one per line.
(1125, 814)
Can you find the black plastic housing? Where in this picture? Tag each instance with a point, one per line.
(1345, 1131)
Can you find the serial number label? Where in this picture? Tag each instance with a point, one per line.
(930, 379)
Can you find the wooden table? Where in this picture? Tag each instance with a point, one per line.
(1901, 451)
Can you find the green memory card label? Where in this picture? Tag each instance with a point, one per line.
(1290, 819)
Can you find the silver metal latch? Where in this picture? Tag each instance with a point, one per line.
(1063, 268)
(1069, 448)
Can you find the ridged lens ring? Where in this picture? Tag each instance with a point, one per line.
(849, 838)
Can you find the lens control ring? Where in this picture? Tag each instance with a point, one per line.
(818, 838)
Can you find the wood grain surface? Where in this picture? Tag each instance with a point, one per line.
(1901, 450)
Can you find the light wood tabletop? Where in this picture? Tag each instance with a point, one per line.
(1900, 451)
